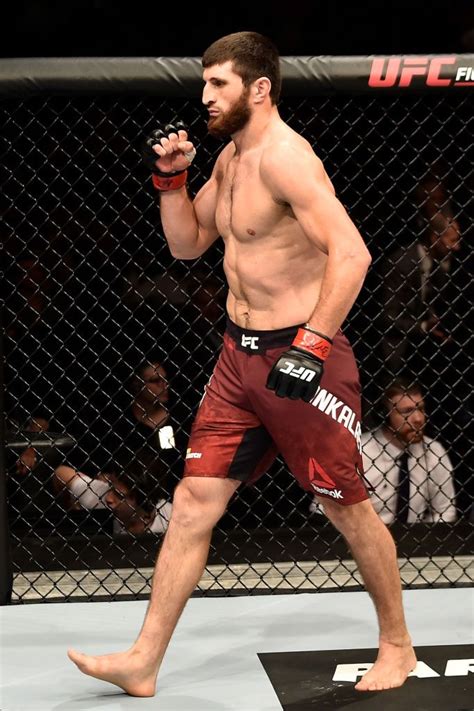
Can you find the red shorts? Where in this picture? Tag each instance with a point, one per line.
(241, 426)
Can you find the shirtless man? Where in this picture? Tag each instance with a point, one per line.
(295, 263)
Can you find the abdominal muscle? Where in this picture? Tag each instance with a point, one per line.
(272, 287)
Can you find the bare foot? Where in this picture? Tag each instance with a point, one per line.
(128, 670)
(391, 669)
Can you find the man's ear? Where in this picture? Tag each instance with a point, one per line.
(261, 89)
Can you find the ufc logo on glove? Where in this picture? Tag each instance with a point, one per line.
(301, 373)
(298, 371)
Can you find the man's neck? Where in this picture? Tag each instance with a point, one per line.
(255, 131)
(150, 415)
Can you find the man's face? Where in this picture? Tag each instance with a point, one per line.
(407, 417)
(226, 99)
(155, 385)
(119, 500)
(445, 237)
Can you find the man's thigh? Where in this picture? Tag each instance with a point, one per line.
(320, 441)
(228, 442)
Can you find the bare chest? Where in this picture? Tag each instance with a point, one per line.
(245, 207)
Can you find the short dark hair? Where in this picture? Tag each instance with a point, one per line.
(400, 386)
(253, 56)
(137, 382)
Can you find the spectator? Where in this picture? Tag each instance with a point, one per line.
(426, 322)
(31, 501)
(408, 475)
(145, 426)
(133, 494)
(25, 487)
(139, 425)
(416, 294)
(149, 386)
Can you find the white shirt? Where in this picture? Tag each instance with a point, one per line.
(432, 494)
(90, 494)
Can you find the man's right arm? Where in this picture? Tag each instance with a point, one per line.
(87, 491)
(189, 225)
(65, 474)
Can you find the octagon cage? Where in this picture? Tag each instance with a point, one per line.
(97, 315)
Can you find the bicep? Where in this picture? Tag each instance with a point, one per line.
(302, 182)
(205, 204)
(325, 221)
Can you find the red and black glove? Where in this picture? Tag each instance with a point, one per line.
(163, 181)
(298, 371)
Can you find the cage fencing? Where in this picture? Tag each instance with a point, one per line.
(101, 324)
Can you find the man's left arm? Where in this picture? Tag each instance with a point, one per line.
(298, 177)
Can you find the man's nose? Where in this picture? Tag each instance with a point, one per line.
(207, 97)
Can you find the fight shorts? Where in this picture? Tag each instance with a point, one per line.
(241, 426)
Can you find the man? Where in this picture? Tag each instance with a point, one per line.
(417, 285)
(409, 475)
(295, 263)
(131, 493)
(141, 427)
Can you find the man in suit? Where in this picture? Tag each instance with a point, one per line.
(409, 475)
(416, 294)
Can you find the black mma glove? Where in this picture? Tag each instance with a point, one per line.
(162, 180)
(298, 371)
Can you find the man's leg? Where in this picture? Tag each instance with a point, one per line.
(374, 551)
(197, 506)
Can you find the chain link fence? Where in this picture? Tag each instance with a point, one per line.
(109, 342)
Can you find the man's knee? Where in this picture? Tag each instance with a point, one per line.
(349, 518)
(201, 502)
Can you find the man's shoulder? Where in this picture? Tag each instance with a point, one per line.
(284, 142)
(434, 446)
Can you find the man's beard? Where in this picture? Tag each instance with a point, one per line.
(233, 121)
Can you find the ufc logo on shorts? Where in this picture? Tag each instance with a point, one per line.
(300, 373)
(250, 341)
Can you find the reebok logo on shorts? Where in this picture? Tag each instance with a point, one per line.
(193, 455)
(321, 481)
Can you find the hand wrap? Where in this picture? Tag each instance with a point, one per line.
(162, 180)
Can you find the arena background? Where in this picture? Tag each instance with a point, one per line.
(91, 291)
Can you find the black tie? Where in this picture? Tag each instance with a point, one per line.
(403, 500)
